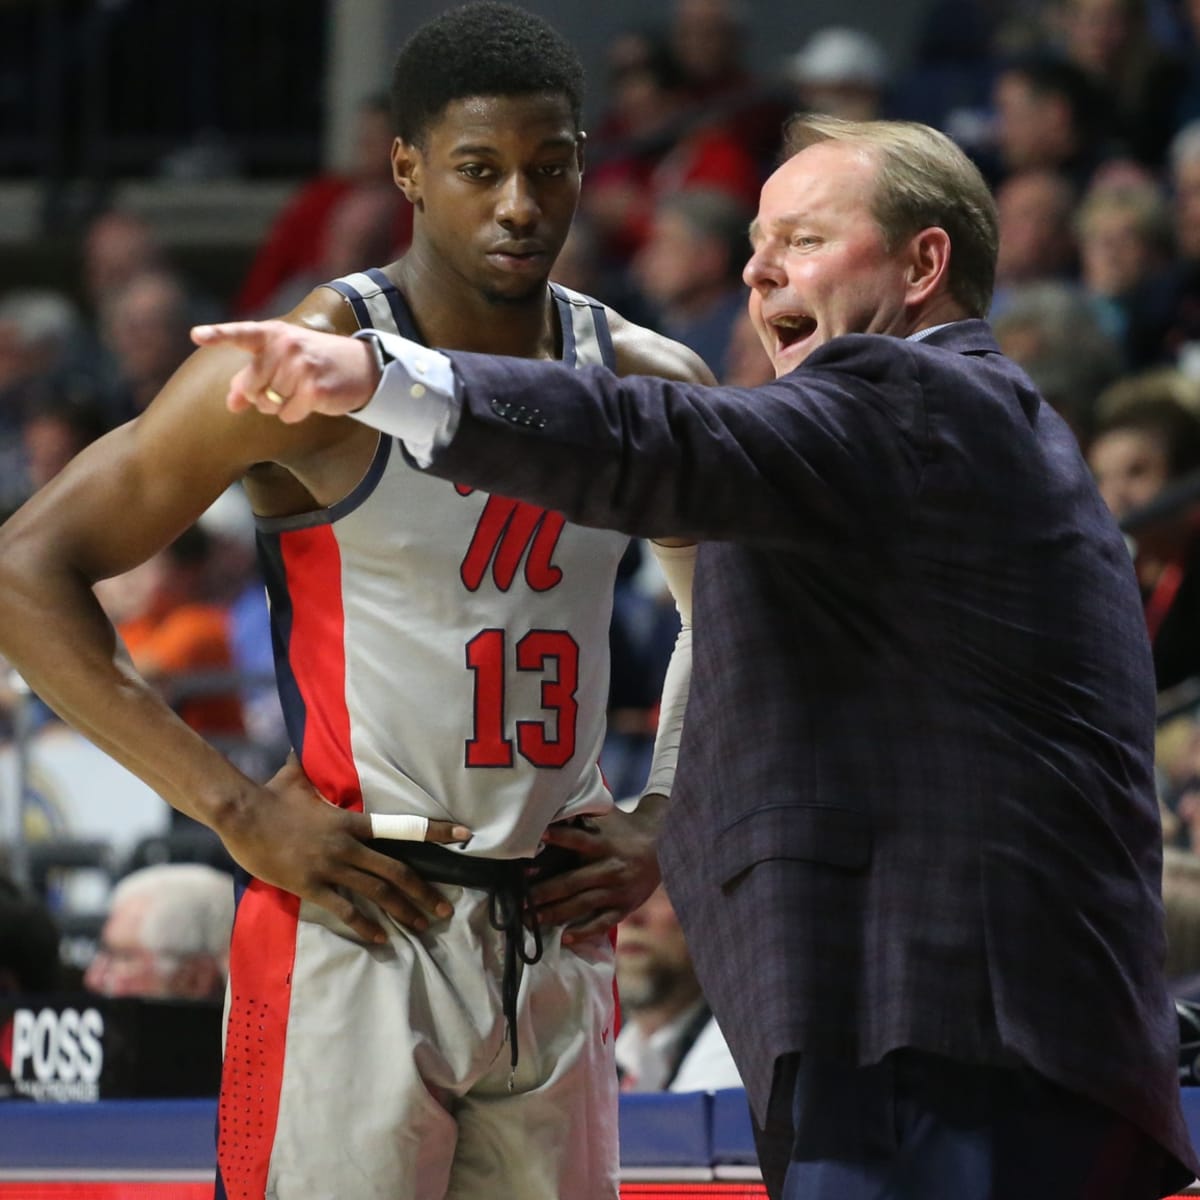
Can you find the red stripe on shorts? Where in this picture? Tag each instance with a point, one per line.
(260, 972)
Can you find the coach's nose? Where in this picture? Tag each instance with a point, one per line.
(765, 268)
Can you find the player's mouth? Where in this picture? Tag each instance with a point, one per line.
(524, 259)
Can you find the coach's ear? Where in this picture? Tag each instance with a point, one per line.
(928, 255)
(406, 170)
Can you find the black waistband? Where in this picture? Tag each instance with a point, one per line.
(507, 882)
(439, 865)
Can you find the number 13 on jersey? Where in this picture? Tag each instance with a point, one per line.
(548, 742)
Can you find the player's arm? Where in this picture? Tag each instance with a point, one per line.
(116, 504)
(621, 863)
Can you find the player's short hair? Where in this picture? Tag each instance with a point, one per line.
(480, 49)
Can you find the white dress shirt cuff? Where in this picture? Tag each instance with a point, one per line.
(416, 400)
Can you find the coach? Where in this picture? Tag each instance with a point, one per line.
(914, 840)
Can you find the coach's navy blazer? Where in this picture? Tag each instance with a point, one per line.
(915, 803)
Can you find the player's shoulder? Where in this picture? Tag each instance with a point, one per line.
(325, 310)
(642, 351)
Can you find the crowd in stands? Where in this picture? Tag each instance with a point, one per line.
(1084, 116)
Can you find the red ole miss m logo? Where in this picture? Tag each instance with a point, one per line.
(505, 531)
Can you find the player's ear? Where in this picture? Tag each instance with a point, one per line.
(406, 170)
(580, 156)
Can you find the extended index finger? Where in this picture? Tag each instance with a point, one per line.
(246, 335)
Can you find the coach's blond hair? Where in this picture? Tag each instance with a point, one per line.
(923, 180)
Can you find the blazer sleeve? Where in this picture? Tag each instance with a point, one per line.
(833, 449)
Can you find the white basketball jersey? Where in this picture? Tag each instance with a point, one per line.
(441, 651)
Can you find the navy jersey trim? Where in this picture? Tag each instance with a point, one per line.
(566, 303)
(270, 556)
(357, 303)
(343, 507)
(565, 324)
(406, 323)
(608, 354)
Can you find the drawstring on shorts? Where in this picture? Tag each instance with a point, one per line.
(507, 882)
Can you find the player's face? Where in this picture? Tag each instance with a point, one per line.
(820, 266)
(495, 183)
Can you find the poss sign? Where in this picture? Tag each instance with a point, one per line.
(52, 1053)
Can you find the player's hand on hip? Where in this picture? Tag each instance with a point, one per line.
(294, 371)
(287, 835)
(619, 871)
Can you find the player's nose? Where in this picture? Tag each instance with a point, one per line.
(517, 206)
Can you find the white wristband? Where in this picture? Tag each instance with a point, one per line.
(399, 827)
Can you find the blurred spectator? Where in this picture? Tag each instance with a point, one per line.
(298, 239)
(166, 935)
(669, 1039)
(38, 332)
(690, 269)
(580, 268)
(118, 246)
(1049, 116)
(1037, 234)
(176, 636)
(642, 633)
(38, 328)
(56, 427)
(840, 72)
(1187, 44)
(653, 142)
(1181, 902)
(708, 38)
(360, 230)
(1124, 234)
(747, 364)
(29, 939)
(144, 325)
(233, 565)
(1149, 435)
(1140, 446)
(950, 82)
(1050, 330)
(1164, 325)
(1111, 41)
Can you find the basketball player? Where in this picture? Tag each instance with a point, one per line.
(441, 654)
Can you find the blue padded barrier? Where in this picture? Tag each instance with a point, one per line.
(732, 1136)
(111, 1134)
(665, 1129)
(657, 1130)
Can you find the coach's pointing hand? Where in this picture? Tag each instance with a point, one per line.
(295, 371)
